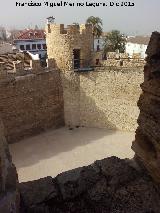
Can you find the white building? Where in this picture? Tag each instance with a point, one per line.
(33, 41)
(98, 43)
(137, 44)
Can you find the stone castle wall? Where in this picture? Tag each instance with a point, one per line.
(105, 98)
(9, 195)
(31, 103)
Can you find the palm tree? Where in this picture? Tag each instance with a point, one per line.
(97, 26)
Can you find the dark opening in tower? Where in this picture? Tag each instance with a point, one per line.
(76, 54)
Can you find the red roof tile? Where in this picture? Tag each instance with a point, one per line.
(31, 34)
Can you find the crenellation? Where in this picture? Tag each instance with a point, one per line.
(70, 29)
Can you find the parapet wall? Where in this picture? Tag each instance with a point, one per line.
(117, 60)
(105, 98)
(13, 68)
(31, 103)
(70, 29)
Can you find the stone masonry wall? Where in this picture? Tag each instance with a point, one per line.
(147, 140)
(31, 103)
(9, 195)
(105, 98)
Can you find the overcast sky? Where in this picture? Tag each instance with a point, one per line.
(141, 19)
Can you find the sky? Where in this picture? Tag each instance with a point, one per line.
(141, 19)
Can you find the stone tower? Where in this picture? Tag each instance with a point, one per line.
(70, 47)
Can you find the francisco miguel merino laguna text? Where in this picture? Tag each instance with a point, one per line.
(77, 4)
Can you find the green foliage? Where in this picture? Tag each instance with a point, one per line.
(97, 25)
(114, 41)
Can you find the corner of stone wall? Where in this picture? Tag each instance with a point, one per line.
(71, 97)
(147, 139)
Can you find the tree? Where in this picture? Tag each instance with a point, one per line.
(114, 41)
(97, 26)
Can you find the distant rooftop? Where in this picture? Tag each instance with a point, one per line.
(31, 34)
(139, 40)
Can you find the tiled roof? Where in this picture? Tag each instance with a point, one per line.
(31, 34)
(139, 40)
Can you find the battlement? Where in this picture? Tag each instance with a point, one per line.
(70, 29)
(19, 68)
(122, 63)
(114, 59)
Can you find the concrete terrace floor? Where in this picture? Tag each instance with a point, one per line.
(55, 151)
